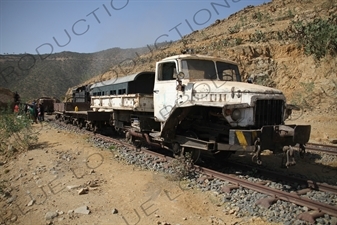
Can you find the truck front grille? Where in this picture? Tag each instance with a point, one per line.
(268, 112)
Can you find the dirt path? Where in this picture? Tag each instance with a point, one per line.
(45, 183)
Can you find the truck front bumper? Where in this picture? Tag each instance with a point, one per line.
(271, 137)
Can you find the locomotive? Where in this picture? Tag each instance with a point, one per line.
(195, 104)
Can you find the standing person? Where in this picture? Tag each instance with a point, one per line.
(42, 111)
(16, 98)
(39, 112)
(16, 109)
(31, 113)
(26, 109)
(35, 112)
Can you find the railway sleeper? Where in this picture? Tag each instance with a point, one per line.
(310, 216)
(266, 202)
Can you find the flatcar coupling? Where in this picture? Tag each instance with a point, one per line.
(257, 152)
(289, 153)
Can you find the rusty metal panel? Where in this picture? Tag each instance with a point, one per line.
(82, 106)
(59, 107)
(70, 106)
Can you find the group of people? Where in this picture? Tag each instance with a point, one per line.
(34, 111)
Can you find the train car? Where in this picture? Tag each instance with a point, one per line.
(77, 111)
(127, 98)
(48, 104)
(199, 104)
(142, 82)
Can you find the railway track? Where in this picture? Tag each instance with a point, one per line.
(330, 149)
(279, 177)
(316, 209)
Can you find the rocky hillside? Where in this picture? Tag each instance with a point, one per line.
(271, 44)
(51, 75)
(6, 97)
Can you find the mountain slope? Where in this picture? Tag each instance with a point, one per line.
(34, 76)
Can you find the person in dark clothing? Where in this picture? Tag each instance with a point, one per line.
(40, 111)
(35, 112)
(26, 109)
(16, 97)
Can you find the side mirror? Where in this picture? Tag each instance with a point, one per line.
(179, 76)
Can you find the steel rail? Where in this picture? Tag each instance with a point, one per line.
(313, 185)
(322, 148)
(290, 197)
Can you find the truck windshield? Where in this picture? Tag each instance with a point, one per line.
(196, 69)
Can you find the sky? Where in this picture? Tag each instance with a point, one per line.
(51, 26)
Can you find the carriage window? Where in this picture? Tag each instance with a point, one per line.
(167, 70)
(121, 91)
(113, 92)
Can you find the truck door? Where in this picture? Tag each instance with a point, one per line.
(165, 93)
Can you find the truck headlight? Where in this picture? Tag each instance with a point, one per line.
(236, 114)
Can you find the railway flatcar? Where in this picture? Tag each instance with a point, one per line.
(78, 111)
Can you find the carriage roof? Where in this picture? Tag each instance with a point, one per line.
(119, 80)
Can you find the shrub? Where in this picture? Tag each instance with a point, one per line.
(182, 166)
(238, 41)
(318, 38)
(258, 15)
(235, 29)
(258, 36)
(15, 132)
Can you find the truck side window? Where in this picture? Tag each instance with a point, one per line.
(227, 75)
(166, 71)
